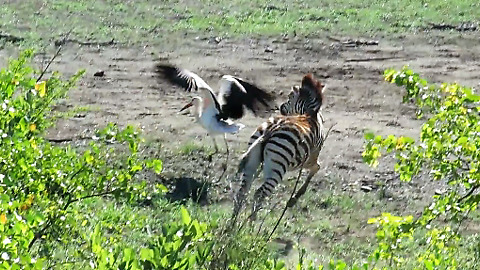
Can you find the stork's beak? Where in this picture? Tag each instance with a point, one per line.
(186, 106)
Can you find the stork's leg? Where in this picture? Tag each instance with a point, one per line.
(214, 144)
(304, 187)
(225, 164)
(226, 144)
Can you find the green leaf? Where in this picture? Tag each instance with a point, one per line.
(146, 254)
(340, 265)
(88, 157)
(162, 188)
(186, 219)
(462, 140)
(389, 75)
(369, 136)
(128, 254)
(136, 168)
(428, 265)
(157, 166)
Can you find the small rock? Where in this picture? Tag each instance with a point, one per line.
(215, 40)
(269, 50)
(99, 73)
(366, 188)
(393, 123)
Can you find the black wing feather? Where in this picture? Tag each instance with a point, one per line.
(257, 100)
(176, 76)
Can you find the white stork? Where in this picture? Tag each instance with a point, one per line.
(214, 112)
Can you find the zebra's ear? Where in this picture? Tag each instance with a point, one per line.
(296, 88)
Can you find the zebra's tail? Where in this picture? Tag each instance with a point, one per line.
(253, 157)
(247, 169)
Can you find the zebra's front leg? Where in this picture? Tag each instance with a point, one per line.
(304, 187)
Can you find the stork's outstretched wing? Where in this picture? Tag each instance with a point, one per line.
(181, 77)
(188, 80)
(235, 93)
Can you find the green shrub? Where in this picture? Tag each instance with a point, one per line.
(448, 150)
(39, 182)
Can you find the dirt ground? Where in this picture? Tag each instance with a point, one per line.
(357, 98)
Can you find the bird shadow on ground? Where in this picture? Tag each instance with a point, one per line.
(188, 188)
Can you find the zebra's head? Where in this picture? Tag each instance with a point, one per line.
(306, 99)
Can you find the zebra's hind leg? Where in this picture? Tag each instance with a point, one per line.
(304, 187)
(239, 199)
(248, 169)
(258, 199)
(274, 168)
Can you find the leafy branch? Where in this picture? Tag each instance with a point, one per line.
(447, 149)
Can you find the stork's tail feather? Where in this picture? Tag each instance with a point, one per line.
(240, 126)
(230, 127)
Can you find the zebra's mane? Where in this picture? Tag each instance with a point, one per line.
(312, 89)
(313, 86)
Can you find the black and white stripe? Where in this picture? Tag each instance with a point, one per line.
(284, 143)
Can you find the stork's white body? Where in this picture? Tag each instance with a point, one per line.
(207, 115)
(213, 111)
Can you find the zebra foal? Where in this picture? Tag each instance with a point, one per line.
(284, 143)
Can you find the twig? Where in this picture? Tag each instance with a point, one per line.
(50, 221)
(68, 139)
(85, 43)
(265, 217)
(147, 114)
(91, 196)
(334, 39)
(354, 42)
(373, 59)
(60, 140)
(49, 63)
(470, 192)
(62, 263)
